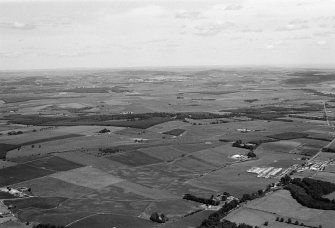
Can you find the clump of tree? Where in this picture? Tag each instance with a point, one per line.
(285, 180)
(159, 218)
(251, 154)
(215, 219)
(310, 192)
(15, 133)
(238, 143)
(103, 131)
(328, 150)
(252, 196)
(210, 201)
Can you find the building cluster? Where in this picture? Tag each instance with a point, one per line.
(244, 130)
(314, 165)
(240, 157)
(222, 199)
(265, 172)
(140, 140)
(17, 192)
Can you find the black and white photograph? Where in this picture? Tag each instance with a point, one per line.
(167, 113)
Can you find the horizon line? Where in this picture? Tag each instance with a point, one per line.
(306, 66)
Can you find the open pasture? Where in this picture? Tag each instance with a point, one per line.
(155, 176)
(194, 164)
(327, 136)
(36, 137)
(52, 187)
(234, 180)
(90, 160)
(12, 224)
(172, 208)
(250, 216)
(174, 132)
(220, 155)
(332, 145)
(267, 157)
(19, 173)
(5, 164)
(87, 177)
(325, 176)
(57, 217)
(87, 142)
(54, 163)
(35, 202)
(86, 130)
(140, 133)
(111, 220)
(134, 158)
(330, 168)
(168, 126)
(326, 156)
(190, 221)
(113, 193)
(165, 153)
(282, 204)
(123, 207)
(147, 192)
(283, 146)
(196, 146)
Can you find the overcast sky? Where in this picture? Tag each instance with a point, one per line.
(73, 33)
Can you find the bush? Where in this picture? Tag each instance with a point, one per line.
(266, 223)
(201, 200)
(155, 217)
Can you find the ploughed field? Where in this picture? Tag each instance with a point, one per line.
(110, 156)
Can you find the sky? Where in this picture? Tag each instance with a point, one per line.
(129, 33)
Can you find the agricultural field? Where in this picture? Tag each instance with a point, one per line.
(282, 204)
(109, 148)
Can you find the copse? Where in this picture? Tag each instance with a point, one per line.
(201, 200)
(310, 192)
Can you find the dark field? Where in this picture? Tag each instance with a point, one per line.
(36, 202)
(288, 135)
(54, 163)
(111, 220)
(175, 132)
(5, 195)
(19, 173)
(134, 158)
(4, 148)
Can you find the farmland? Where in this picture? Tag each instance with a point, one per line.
(115, 147)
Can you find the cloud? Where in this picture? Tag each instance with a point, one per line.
(233, 7)
(149, 10)
(212, 29)
(269, 46)
(292, 27)
(17, 25)
(297, 38)
(185, 14)
(296, 24)
(321, 42)
(325, 33)
(247, 29)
